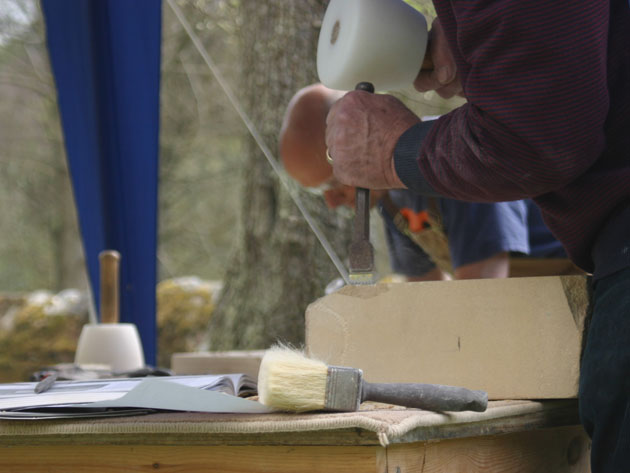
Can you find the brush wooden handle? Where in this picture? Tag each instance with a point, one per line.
(430, 397)
(110, 263)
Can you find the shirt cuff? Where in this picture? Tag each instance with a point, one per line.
(406, 155)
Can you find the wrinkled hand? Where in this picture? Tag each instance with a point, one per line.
(361, 132)
(444, 78)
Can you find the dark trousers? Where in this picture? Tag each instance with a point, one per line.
(604, 394)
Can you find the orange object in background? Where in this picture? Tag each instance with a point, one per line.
(417, 221)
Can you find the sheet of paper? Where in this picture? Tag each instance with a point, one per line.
(187, 393)
(161, 393)
(72, 414)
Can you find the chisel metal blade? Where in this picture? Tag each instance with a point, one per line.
(361, 252)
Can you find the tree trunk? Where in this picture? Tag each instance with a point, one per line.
(279, 267)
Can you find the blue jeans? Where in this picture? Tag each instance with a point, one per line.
(604, 395)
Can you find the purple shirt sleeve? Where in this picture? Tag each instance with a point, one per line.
(525, 129)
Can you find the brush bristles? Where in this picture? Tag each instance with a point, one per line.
(290, 381)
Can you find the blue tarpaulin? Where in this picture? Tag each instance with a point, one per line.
(105, 57)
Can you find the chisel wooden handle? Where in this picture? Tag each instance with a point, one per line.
(431, 397)
(427, 62)
(110, 281)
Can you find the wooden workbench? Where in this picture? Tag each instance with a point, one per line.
(511, 436)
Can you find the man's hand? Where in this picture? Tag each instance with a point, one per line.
(444, 78)
(361, 132)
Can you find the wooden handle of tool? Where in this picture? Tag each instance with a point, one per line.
(367, 87)
(110, 283)
(427, 62)
(362, 194)
(430, 397)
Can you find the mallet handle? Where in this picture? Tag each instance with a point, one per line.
(110, 282)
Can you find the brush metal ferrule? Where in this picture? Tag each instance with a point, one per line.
(343, 389)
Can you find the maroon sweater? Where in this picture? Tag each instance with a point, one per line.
(548, 117)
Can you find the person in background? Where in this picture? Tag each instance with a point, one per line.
(546, 117)
(428, 238)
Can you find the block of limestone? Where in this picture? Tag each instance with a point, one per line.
(516, 338)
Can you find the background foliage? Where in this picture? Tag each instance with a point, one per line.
(224, 215)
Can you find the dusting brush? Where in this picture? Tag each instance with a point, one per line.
(290, 381)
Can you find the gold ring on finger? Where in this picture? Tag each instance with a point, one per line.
(328, 158)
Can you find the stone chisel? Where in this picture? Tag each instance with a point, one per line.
(361, 251)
